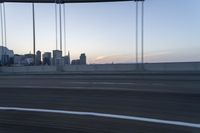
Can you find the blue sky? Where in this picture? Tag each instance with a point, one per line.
(106, 31)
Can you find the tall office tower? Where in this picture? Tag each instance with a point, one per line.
(19, 60)
(57, 55)
(67, 59)
(5, 55)
(83, 59)
(38, 57)
(29, 59)
(46, 58)
(75, 62)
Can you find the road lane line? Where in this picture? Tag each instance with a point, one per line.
(114, 116)
(72, 88)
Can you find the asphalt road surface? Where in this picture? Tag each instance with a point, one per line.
(100, 103)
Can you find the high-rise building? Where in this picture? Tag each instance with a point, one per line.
(82, 59)
(38, 57)
(57, 55)
(29, 59)
(46, 58)
(75, 62)
(67, 59)
(19, 60)
(5, 55)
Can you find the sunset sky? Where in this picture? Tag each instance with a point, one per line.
(106, 31)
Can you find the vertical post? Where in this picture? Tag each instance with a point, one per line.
(60, 13)
(64, 28)
(142, 35)
(33, 11)
(136, 33)
(56, 25)
(2, 39)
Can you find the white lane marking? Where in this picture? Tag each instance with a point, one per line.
(109, 83)
(100, 82)
(70, 88)
(124, 117)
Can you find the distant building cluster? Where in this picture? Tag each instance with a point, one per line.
(80, 61)
(8, 58)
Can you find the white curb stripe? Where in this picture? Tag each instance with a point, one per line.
(124, 117)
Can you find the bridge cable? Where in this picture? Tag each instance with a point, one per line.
(136, 32)
(5, 34)
(56, 25)
(4, 17)
(33, 15)
(142, 34)
(60, 13)
(64, 29)
(2, 36)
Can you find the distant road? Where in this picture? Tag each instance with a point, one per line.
(137, 103)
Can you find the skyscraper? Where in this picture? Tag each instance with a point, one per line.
(57, 55)
(38, 57)
(46, 58)
(82, 59)
(67, 59)
(5, 55)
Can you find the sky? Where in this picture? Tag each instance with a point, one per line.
(106, 31)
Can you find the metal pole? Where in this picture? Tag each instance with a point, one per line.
(64, 28)
(142, 34)
(33, 11)
(136, 37)
(56, 25)
(60, 13)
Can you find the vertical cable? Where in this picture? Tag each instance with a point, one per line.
(5, 37)
(4, 17)
(33, 12)
(60, 13)
(142, 34)
(2, 36)
(56, 25)
(136, 32)
(64, 29)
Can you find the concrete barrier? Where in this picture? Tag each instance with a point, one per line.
(180, 66)
(160, 67)
(103, 67)
(28, 69)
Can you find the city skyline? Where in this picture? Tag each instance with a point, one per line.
(94, 29)
(55, 58)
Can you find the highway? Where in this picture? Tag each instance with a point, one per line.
(100, 103)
